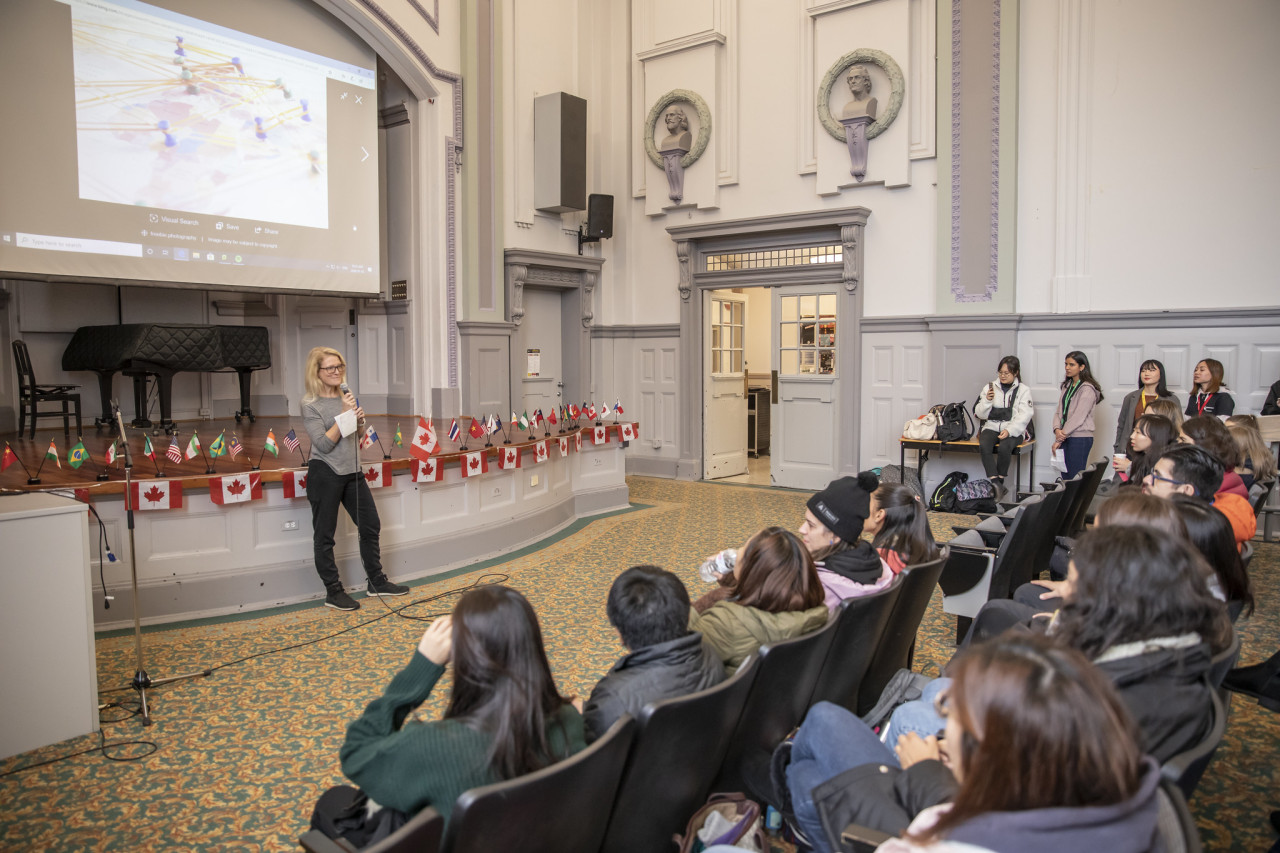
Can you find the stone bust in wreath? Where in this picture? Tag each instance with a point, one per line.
(679, 148)
(860, 119)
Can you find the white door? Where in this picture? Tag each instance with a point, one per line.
(724, 441)
(804, 417)
(540, 353)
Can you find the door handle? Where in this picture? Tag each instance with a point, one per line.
(773, 387)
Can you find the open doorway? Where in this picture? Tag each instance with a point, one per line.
(737, 408)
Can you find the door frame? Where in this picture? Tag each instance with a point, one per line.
(707, 359)
(695, 242)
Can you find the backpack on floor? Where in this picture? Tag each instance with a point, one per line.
(956, 424)
(896, 474)
(943, 498)
(976, 496)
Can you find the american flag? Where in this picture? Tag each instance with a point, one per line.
(174, 452)
(291, 440)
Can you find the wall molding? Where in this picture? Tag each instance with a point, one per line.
(656, 330)
(1263, 315)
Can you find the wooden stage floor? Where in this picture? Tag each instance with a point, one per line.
(252, 437)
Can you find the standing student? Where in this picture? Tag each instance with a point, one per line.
(333, 478)
(1210, 396)
(1073, 419)
(1151, 387)
(1005, 406)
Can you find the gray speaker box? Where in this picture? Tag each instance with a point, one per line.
(559, 153)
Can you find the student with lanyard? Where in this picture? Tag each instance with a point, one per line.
(1210, 397)
(1151, 387)
(1073, 419)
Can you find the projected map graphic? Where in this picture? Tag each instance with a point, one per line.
(176, 116)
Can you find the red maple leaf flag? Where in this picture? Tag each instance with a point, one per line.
(474, 463)
(540, 451)
(240, 488)
(564, 446)
(628, 432)
(378, 474)
(156, 494)
(599, 435)
(577, 441)
(509, 458)
(431, 471)
(295, 484)
(424, 441)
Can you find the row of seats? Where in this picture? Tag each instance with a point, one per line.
(636, 787)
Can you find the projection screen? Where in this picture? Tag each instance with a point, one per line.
(230, 144)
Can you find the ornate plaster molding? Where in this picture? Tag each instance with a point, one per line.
(704, 126)
(849, 235)
(897, 86)
(433, 21)
(518, 274)
(686, 273)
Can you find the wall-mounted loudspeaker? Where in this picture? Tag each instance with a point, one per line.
(599, 216)
(559, 153)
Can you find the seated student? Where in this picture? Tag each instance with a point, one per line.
(1209, 394)
(1167, 407)
(777, 596)
(504, 719)
(1038, 754)
(1271, 406)
(899, 527)
(1213, 436)
(834, 521)
(1005, 407)
(1210, 531)
(1146, 441)
(1257, 461)
(1191, 470)
(649, 608)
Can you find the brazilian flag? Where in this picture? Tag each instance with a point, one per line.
(77, 455)
(218, 447)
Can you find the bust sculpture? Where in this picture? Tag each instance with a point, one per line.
(674, 146)
(857, 115)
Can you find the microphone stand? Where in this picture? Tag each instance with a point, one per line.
(141, 681)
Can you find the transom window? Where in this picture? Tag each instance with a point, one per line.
(770, 258)
(807, 335)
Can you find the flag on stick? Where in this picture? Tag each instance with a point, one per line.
(9, 458)
(477, 429)
(51, 453)
(174, 453)
(424, 441)
(233, 446)
(291, 441)
(270, 445)
(77, 455)
(148, 450)
(193, 447)
(218, 447)
(398, 441)
(368, 438)
(454, 432)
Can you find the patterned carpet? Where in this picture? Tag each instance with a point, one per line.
(242, 755)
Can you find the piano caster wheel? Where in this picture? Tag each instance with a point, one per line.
(253, 419)
(237, 417)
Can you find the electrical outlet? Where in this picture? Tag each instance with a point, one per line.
(290, 525)
(596, 461)
(496, 492)
(206, 413)
(533, 481)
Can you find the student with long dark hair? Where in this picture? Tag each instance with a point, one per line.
(1257, 461)
(1209, 396)
(1151, 387)
(777, 596)
(1039, 753)
(1147, 440)
(1211, 434)
(1073, 418)
(1210, 531)
(1005, 407)
(899, 527)
(505, 717)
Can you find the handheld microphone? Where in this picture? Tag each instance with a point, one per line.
(346, 389)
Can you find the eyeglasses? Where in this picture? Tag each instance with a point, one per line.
(1156, 475)
(337, 368)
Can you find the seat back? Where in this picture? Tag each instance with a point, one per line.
(679, 746)
(1091, 479)
(1259, 494)
(1224, 661)
(561, 807)
(894, 650)
(776, 703)
(860, 623)
(421, 834)
(26, 376)
(1174, 823)
(1187, 767)
(1030, 539)
(1070, 494)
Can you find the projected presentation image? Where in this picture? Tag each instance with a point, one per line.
(174, 113)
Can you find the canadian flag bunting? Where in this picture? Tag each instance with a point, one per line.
(540, 451)
(237, 489)
(424, 441)
(599, 435)
(564, 446)
(156, 494)
(509, 458)
(627, 432)
(377, 475)
(431, 471)
(577, 441)
(295, 484)
(474, 463)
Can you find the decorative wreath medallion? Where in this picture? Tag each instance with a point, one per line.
(704, 125)
(835, 72)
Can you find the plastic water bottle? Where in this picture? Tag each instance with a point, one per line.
(717, 566)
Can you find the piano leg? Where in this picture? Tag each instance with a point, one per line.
(104, 389)
(140, 419)
(164, 381)
(246, 410)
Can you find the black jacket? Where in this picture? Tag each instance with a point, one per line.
(662, 671)
(860, 563)
(1168, 694)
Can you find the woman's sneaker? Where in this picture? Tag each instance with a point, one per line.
(382, 586)
(339, 600)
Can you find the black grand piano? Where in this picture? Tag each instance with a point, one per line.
(157, 349)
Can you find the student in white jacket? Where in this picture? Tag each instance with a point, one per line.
(1006, 407)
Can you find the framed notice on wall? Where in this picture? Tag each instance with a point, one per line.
(535, 362)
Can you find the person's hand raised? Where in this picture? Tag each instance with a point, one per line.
(436, 644)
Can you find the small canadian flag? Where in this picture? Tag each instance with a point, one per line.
(577, 441)
(627, 432)
(424, 442)
(564, 446)
(295, 484)
(378, 474)
(540, 451)
(431, 471)
(237, 489)
(509, 458)
(599, 435)
(156, 494)
(474, 463)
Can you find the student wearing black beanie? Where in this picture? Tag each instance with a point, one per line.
(832, 531)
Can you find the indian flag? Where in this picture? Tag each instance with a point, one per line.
(52, 453)
(271, 446)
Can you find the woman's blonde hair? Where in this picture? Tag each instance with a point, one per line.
(312, 377)
(1253, 450)
(1166, 407)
